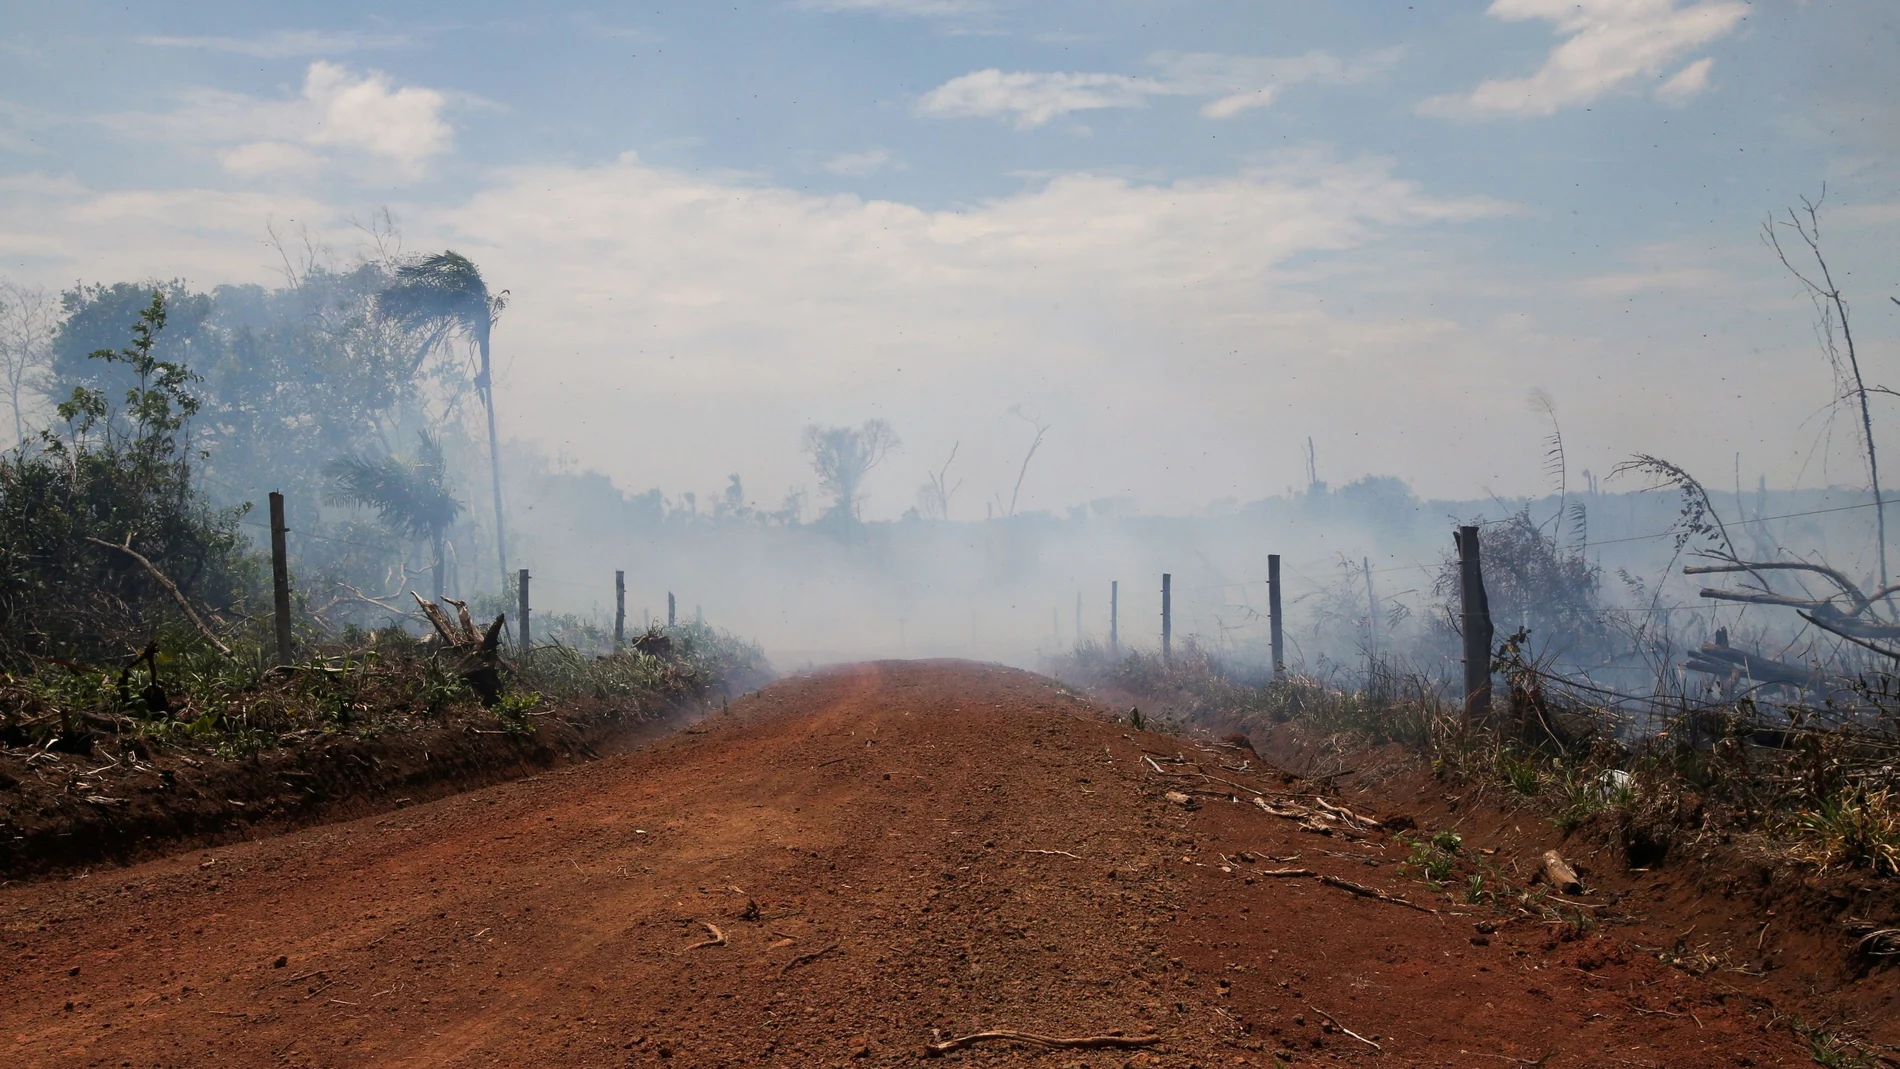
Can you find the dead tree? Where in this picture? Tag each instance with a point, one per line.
(1041, 429)
(478, 654)
(1831, 308)
(935, 498)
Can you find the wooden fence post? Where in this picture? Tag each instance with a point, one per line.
(670, 619)
(1372, 609)
(1167, 618)
(280, 576)
(526, 641)
(620, 610)
(1114, 613)
(1275, 624)
(1475, 610)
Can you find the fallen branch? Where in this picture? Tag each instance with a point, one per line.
(718, 937)
(1372, 892)
(1848, 587)
(803, 959)
(1343, 813)
(1004, 1035)
(1861, 642)
(1064, 853)
(1346, 1030)
(1283, 872)
(170, 587)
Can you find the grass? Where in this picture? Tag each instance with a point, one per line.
(186, 695)
(1434, 858)
(1859, 828)
(1830, 796)
(1829, 1050)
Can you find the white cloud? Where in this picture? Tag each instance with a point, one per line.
(1238, 312)
(1633, 283)
(269, 157)
(651, 296)
(404, 125)
(57, 230)
(1876, 214)
(869, 161)
(281, 44)
(915, 8)
(1688, 82)
(1607, 45)
(1032, 98)
(362, 114)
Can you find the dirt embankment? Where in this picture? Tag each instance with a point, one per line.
(61, 809)
(840, 870)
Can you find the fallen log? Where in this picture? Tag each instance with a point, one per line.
(1721, 660)
(1558, 873)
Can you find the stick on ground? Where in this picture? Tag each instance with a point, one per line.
(803, 958)
(1372, 892)
(718, 937)
(1346, 1030)
(1004, 1035)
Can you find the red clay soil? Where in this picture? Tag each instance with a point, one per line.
(843, 868)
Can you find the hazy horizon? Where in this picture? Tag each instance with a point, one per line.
(1187, 237)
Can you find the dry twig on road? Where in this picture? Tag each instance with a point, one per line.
(1372, 892)
(1346, 1030)
(1004, 1035)
(718, 937)
(804, 958)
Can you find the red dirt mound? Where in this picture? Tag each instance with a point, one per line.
(841, 870)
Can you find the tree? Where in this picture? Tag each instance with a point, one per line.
(843, 456)
(29, 319)
(103, 531)
(1830, 309)
(1034, 444)
(933, 498)
(443, 295)
(410, 494)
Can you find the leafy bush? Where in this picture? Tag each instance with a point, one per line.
(90, 514)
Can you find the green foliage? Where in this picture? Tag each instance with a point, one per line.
(410, 494)
(1829, 1050)
(1522, 773)
(1433, 858)
(119, 474)
(1858, 827)
(1532, 574)
(440, 294)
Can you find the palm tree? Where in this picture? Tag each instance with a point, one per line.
(410, 494)
(443, 294)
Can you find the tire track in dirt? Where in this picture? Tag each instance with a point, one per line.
(892, 851)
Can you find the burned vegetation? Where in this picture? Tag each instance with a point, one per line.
(154, 685)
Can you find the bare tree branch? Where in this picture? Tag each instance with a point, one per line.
(1831, 305)
(1041, 429)
(1862, 643)
(170, 587)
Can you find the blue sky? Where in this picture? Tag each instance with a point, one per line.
(1188, 235)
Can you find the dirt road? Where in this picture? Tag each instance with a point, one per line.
(838, 870)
